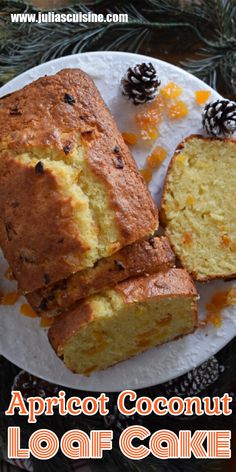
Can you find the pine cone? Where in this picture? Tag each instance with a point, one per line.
(197, 380)
(140, 83)
(219, 117)
(31, 386)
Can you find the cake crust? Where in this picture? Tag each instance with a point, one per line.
(27, 229)
(68, 324)
(50, 120)
(163, 214)
(142, 257)
(174, 282)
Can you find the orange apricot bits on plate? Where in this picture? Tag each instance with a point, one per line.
(177, 110)
(218, 302)
(156, 157)
(147, 174)
(201, 96)
(148, 119)
(130, 138)
(10, 298)
(26, 310)
(171, 91)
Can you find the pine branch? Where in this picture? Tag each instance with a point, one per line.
(48, 41)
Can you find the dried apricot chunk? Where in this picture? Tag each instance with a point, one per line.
(201, 96)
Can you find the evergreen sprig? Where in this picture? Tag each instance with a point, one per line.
(212, 24)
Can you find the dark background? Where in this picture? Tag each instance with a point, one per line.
(173, 46)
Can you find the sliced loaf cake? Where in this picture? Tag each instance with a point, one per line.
(143, 257)
(70, 191)
(119, 323)
(199, 206)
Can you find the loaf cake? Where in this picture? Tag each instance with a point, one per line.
(70, 191)
(198, 206)
(118, 323)
(142, 257)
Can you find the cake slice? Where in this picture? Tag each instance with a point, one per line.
(142, 257)
(119, 323)
(70, 191)
(198, 206)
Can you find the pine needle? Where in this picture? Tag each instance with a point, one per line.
(213, 24)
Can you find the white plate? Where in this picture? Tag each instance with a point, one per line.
(22, 341)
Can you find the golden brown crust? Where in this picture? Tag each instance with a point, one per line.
(46, 226)
(142, 257)
(38, 117)
(201, 278)
(162, 214)
(173, 283)
(68, 324)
